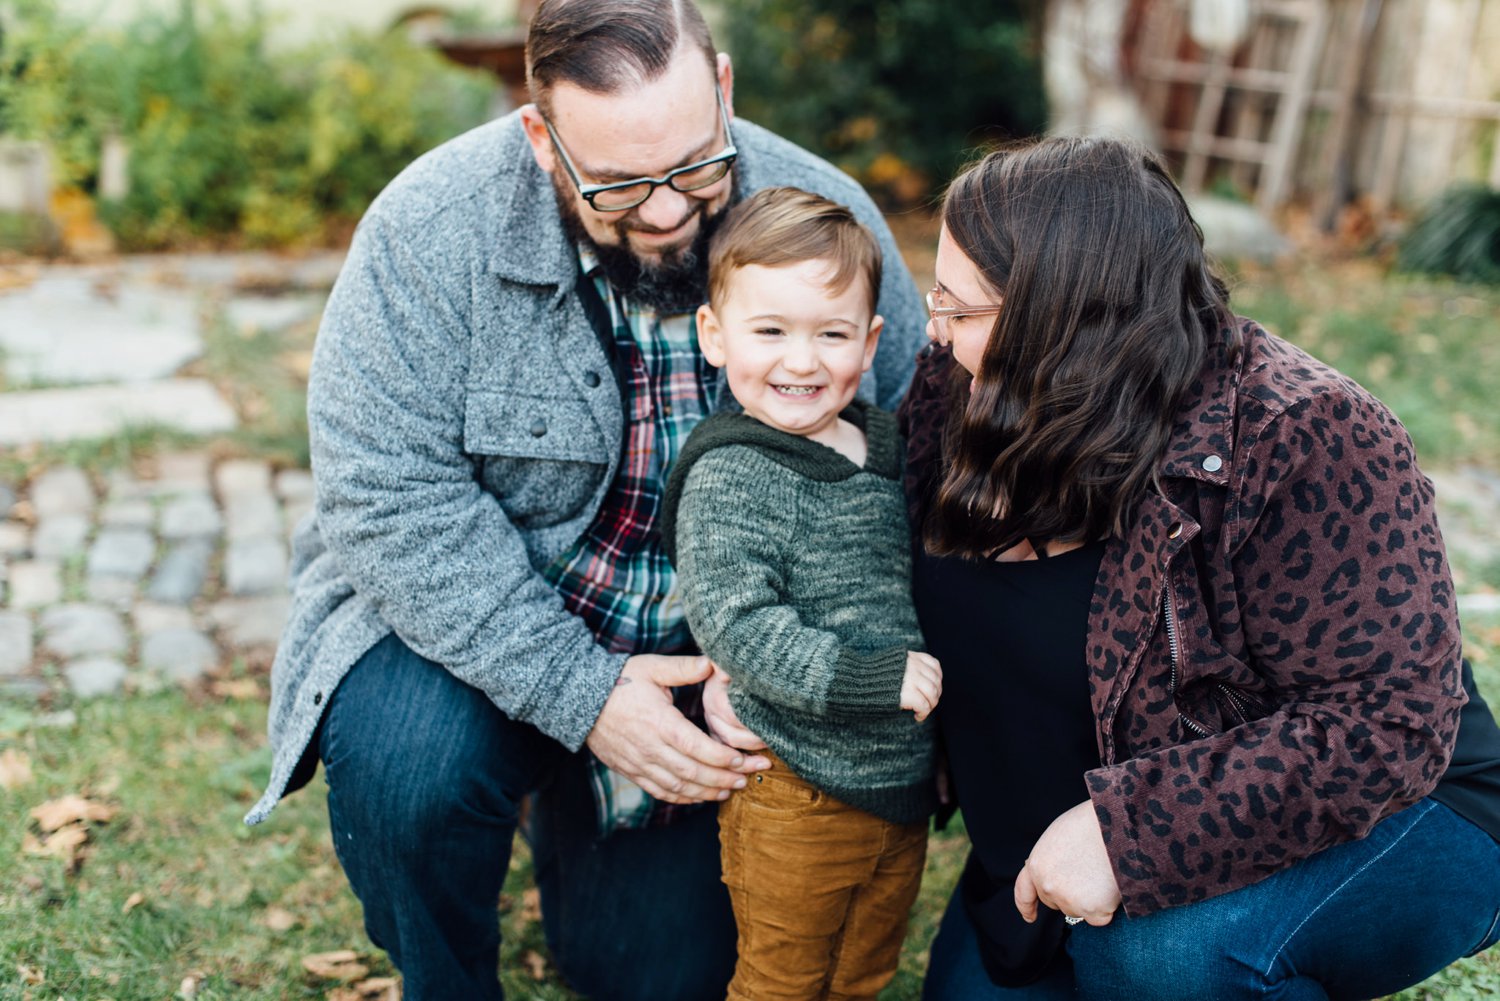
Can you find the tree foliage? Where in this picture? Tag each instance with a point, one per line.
(228, 136)
(896, 92)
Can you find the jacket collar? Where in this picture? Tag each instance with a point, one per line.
(1203, 433)
(526, 238)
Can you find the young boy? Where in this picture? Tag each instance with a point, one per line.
(788, 528)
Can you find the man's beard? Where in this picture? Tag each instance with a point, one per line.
(677, 282)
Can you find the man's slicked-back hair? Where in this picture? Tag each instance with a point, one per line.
(603, 45)
(779, 226)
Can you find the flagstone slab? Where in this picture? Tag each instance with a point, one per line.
(91, 677)
(62, 490)
(15, 642)
(72, 328)
(75, 630)
(35, 583)
(193, 406)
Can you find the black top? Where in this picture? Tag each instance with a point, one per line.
(1471, 785)
(1018, 728)
(1016, 722)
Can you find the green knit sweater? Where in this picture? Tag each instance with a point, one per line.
(795, 571)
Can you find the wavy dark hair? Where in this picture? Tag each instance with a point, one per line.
(1110, 310)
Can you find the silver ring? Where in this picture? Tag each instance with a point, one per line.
(1070, 919)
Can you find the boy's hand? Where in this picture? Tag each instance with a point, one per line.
(719, 714)
(923, 684)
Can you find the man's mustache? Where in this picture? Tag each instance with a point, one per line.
(630, 226)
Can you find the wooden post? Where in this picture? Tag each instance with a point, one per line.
(1338, 154)
(1393, 138)
(1289, 116)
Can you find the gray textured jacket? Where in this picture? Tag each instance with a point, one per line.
(465, 427)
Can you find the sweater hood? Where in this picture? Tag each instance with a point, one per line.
(803, 456)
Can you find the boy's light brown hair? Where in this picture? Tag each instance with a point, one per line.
(777, 226)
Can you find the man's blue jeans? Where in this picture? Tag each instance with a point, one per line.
(425, 781)
(1359, 920)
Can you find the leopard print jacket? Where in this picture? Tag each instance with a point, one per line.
(1273, 644)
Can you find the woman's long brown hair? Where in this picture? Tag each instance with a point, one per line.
(1110, 310)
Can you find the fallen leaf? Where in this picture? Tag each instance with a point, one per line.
(380, 989)
(374, 989)
(31, 974)
(243, 689)
(189, 986)
(531, 904)
(536, 965)
(15, 769)
(279, 919)
(70, 809)
(63, 843)
(341, 964)
(133, 901)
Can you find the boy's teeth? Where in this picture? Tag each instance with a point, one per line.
(798, 390)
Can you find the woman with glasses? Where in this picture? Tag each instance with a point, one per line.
(1205, 708)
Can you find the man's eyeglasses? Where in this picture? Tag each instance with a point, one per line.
(940, 310)
(624, 195)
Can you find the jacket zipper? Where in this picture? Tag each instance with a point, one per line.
(1166, 607)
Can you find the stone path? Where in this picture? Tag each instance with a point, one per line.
(160, 576)
(140, 581)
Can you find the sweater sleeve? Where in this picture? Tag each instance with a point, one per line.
(735, 525)
(1349, 616)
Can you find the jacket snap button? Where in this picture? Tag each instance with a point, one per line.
(538, 428)
(1213, 463)
(317, 698)
(1175, 530)
(591, 379)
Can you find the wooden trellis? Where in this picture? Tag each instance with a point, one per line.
(1320, 98)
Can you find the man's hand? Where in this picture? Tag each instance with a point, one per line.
(722, 721)
(1069, 870)
(923, 684)
(641, 735)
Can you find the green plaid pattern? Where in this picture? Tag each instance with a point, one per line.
(617, 578)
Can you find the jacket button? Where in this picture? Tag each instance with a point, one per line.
(317, 698)
(1213, 464)
(1175, 530)
(591, 379)
(538, 428)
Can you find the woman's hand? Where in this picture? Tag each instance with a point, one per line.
(1069, 870)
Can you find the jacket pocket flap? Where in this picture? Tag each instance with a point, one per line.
(536, 427)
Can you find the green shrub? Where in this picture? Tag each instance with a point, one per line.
(228, 138)
(896, 92)
(1459, 235)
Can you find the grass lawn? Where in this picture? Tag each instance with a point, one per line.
(163, 893)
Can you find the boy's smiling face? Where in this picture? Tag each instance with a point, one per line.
(792, 349)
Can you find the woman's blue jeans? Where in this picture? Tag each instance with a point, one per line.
(1359, 920)
(425, 781)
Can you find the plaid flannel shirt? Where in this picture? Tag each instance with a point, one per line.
(616, 577)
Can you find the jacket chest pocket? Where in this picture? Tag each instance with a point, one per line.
(543, 458)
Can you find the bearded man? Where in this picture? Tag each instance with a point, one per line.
(483, 614)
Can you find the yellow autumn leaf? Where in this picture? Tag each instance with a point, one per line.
(70, 809)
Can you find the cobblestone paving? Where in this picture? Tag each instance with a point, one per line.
(138, 581)
(134, 580)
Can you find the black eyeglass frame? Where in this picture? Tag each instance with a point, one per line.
(591, 191)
